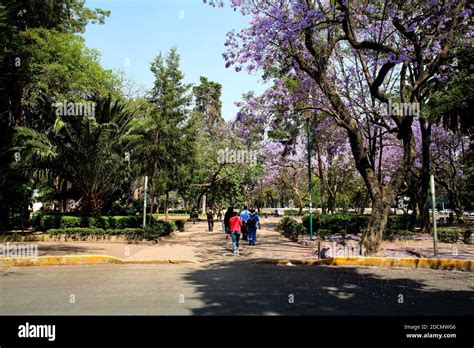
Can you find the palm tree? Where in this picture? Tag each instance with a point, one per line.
(86, 151)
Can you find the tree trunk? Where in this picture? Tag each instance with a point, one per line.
(332, 201)
(376, 227)
(152, 205)
(456, 204)
(424, 197)
(166, 205)
(321, 178)
(300, 205)
(382, 193)
(91, 206)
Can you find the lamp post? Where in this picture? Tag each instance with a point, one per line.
(310, 188)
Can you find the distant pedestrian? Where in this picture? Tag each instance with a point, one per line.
(227, 216)
(244, 216)
(252, 224)
(194, 215)
(235, 229)
(210, 220)
(219, 214)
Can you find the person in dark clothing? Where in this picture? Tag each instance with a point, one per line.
(228, 214)
(244, 216)
(252, 224)
(210, 220)
(194, 215)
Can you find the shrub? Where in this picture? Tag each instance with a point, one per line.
(77, 232)
(292, 212)
(448, 236)
(324, 234)
(152, 232)
(284, 223)
(291, 228)
(466, 237)
(180, 224)
(179, 211)
(356, 224)
(119, 222)
(401, 222)
(316, 223)
(44, 222)
(158, 229)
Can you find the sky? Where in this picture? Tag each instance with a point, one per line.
(137, 30)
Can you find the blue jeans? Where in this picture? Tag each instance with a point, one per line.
(235, 240)
(252, 234)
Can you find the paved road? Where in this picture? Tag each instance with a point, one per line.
(224, 284)
(237, 287)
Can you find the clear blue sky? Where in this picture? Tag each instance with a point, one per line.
(139, 29)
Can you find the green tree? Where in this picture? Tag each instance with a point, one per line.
(87, 152)
(208, 99)
(164, 137)
(18, 21)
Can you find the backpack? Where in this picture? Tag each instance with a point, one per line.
(252, 222)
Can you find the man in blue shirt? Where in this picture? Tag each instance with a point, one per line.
(252, 223)
(244, 216)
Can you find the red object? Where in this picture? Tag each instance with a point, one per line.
(235, 224)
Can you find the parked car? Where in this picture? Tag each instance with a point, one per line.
(445, 211)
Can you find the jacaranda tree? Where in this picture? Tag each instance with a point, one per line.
(386, 51)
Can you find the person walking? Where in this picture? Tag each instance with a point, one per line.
(235, 229)
(210, 220)
(219, 214)
(252, 224)
(244, 216)
(194, 215)
(227, 216)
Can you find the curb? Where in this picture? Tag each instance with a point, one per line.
(442, 264)
(79, 260)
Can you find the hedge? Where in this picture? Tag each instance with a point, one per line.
(356, 224)
(326, 225)
(179, 211)
(448, 236)
(292, 212)
(454, 236)
(44, 222)
(152, 232)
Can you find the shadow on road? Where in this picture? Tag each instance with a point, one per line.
(245, 288)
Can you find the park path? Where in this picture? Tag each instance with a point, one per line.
(198, 245)
(203, 247)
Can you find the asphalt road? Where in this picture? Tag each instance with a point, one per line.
(234, 288)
